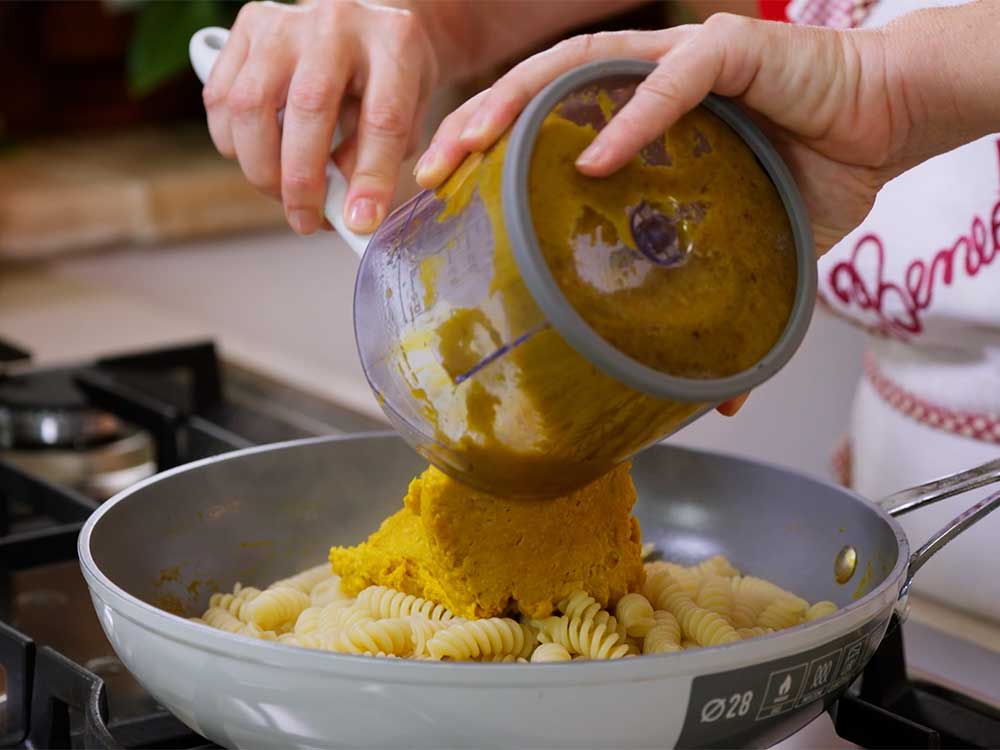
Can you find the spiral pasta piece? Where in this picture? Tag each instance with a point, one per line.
(783, 612)
(550, 652)
(751, 595)
(666, 592)
(220, 618)
(820, 609)
(687, 580)
(308, 620)
(307, 579)
(664, 636)
(422, 630)
(718, 565)
(706, 627)
(335, 617)
(531, 640)
(276, 606)
(236, 602)
(382, 601)
(254, 632)
(716, 594)
(635, 613)
(494, 636)
(389, 636)
(585, 629)
(328, 590)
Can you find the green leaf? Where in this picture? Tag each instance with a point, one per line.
(159, 45)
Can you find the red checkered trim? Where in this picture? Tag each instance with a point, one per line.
(983, 426)
(837, 14)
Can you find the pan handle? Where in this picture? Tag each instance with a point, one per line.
(957, 525)
(924, 494)
(938, 489)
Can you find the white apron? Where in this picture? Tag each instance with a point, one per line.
(922, 274)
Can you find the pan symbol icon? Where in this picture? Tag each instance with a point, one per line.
(712, 710)
(785, 687)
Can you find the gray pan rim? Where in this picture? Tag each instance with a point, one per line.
(206, 638)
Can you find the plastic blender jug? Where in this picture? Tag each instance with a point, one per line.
(526, 328)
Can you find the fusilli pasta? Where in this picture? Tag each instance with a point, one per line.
(820, 609)
(392, 635)
(664, 636)
(678, 607)
(585, 629)
(493, 636)
(635, 613)
(276, 606)
(706, 627)
(716, 594)
(550, 652)
(382, 601)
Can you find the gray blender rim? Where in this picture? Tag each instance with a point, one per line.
(557, 308)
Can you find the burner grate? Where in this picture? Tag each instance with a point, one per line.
(893, 711)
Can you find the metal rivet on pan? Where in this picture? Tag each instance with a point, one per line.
(845, 563)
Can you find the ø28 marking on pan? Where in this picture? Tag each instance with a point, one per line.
(727, 709)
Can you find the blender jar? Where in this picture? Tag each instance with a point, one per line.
(526, 328)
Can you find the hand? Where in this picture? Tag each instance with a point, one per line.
(316, 61)
(820, 94)
(829, 124)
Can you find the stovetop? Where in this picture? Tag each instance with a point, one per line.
(60, 683)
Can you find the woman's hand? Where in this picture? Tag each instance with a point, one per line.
(835, 127)
(820, 94)
(319, 62)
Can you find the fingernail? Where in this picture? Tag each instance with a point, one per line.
(591, 155)
(364, 215)
(425, 164)
(303, 221)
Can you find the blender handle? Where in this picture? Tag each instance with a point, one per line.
(204, 49)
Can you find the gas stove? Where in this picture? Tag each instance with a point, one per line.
(70, 437)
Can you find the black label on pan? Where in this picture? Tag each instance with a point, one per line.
(761, 704)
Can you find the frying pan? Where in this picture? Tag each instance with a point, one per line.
(261, 514)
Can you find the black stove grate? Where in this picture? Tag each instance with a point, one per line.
(893, 711)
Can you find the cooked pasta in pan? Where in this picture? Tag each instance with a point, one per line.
(678, 607)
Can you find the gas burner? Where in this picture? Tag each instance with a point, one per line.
(45, 409)
(48, 428)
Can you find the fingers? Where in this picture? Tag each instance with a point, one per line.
(217, 88)
(388, 110)
(311, 112)
(513, 92)
(724, 55)
(445, 152)
(684, 76)
(257, 94)
(482, 120)
(733, 405)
